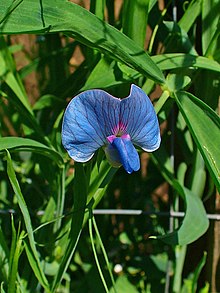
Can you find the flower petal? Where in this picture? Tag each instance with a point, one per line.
(138, 114)
(112, 156)
(127, 153)
(88, 120)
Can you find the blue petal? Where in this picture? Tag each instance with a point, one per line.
(112, 156)
(127, 153)
(138, 115)
(89, 118)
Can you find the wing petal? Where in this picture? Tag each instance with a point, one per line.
(88, 120)
(138, 115)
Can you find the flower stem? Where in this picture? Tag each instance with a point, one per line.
(95, 254)
(104, 253)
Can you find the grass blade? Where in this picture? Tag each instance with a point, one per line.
(57, 16)
(15, 252)
(37, 268)
(17, 144)
(135, 14)
(200, 119)
(80, 196)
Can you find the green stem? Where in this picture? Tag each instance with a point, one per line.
(60, 197)
(150, 48)
(162, 100)
(95, 254)
(104, 253)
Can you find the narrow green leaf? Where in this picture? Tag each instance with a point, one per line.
(16, 91)
(10, 75)
(37, 268)
(171, 61)
(11, 276)
(190, 283)
(47, 101)
(50, 16)
(209, 90)
(60, 196)
(179, 60)
(2, 288)
(178, 40)
(210, 18)
(192, 12)
(135, 14)
(204, 125)
(14, 266)
(198, 271)
(35, 264)
(100, 176)
(4, 256)
(17, 144)
(97, 7)
(80, 196)
(102, 76)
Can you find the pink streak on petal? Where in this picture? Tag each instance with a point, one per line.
(111, 138)
(126, 136)
(119, 129)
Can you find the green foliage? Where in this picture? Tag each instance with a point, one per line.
(46, 244)
(56, 16)
(200, 119)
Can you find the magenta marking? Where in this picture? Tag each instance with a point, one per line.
(111, 138)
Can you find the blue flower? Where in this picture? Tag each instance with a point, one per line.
(95, 119)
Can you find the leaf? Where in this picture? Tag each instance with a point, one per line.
(11, 77)
(198, 270)
(50, 16)
(204, 125)
(100, 176)
(179, 60)
(17, 144)
(192, 12)
(47, 101)
(190, 283)
(4, 256)
(210, 27)
(102, 76)
(2, 288)
(175, 82)
(123, 285)
(35, 263)
(178, 39)
(14, 258)
(16, 91)
(135, 14)
(98, 8)
(192, 226)
(171, 61)
(209, 90)
(80, 196)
